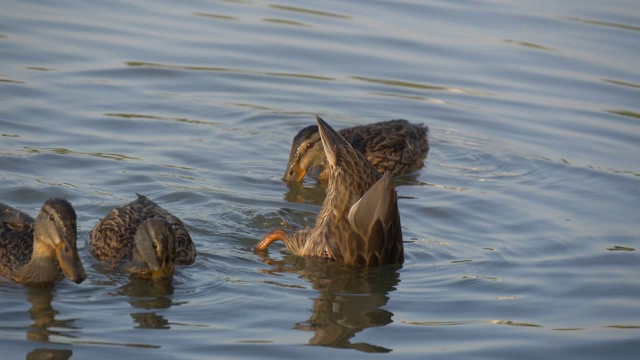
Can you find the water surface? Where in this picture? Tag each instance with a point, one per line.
(521, 232)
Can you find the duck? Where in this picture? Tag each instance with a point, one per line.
(359, 222)
(395, 146)
(40, 251)
(143, 238)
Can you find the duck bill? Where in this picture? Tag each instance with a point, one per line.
(162, 273)
(70, 264)
(294, 174)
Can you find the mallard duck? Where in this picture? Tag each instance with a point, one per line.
(396, 146)
(142, 237)
(43, 250)
(359, 223)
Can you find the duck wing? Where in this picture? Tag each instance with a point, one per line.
(112, 239)
(376, 237)
(16, 241)
(15, 220)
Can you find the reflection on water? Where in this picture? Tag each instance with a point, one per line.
(308, 195)
(349, 300)
(144, 294)
(43, 316)
(150, 320)
(49, 354)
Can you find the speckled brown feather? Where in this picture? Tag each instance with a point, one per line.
(396, 146)
(16, 241)
(112, 240)
(374, 240)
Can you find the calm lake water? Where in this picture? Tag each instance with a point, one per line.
(522, 231)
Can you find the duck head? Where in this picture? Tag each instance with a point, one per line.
(56, 231)
(306, 153)
(155, 249)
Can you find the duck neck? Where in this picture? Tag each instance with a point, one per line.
(337, 202)
(43, 266)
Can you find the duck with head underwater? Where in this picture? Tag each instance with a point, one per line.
(395, 146)
(359, 223)
(143, 238)
(41, 251)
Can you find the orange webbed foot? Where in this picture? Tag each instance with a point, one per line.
(271, 236)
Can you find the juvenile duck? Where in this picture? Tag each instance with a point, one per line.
(396, 146)
(359, 223)
(40, 251)
(142, 237)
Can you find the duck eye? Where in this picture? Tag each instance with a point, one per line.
(51, 217)
(310, 145)
(154, 245)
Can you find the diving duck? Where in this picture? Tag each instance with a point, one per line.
(359, 223)
(142, 237)
(41, 251)
(396, 146)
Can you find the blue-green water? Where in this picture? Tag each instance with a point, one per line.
(522, 231)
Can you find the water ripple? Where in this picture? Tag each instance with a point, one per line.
(601, 23)
(155, 117)
(529, 45)
(415, 85)
(308, 11)
(229, 70)
(470, 322)
(285, 22)
(215, 16)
